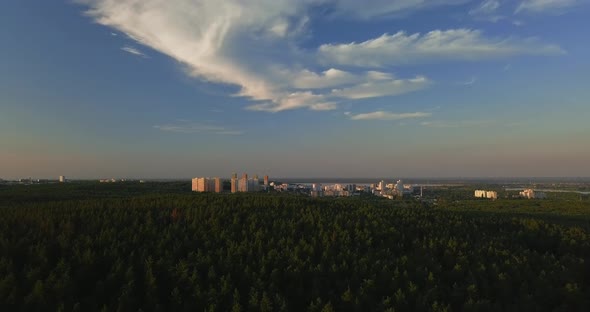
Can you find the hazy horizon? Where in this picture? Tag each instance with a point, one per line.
(408, 179)
(468, 88)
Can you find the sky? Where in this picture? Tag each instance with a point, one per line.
(308, 88)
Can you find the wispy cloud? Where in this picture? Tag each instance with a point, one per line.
(469, 82)
(552, 6)
(134, 51)
(369, 85)
(386, 87)
(295, 100)
(332, 77)
(435, 46)
(384, 115)
(487, 10)
(457, 124)
(381, 8)
(182, 126)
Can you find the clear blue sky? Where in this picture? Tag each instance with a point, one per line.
(311, 88)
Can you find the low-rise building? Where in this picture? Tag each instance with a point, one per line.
(532, 194)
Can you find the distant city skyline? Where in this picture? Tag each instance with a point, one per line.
(308, 89)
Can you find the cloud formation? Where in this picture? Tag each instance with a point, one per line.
(487, 10)
(439, 45)
(382, 8)
(383, 115)
(253, 44)
(183, 126)
(134, 51)
(458, 124)
(384, 87)
(537, 6)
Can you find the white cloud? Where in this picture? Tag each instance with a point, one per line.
(230, 132)
(380, 88)
(205, 36)
(332, 77)
(368, 85)
(383, 115)
(518, 23)
(469, 82)
(134, 51)
(380, 8)
(486, 7)
(438, 45)
(458, 124)
(487, 10)
(183, 126)
(537, 6)
(296, 100)
(253, 44)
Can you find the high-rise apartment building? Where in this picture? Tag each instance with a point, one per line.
(265, 180)
(253, 185)
(399, 187)
(218, 185)
(198, 185)
(243, 185)
(234, 183)
(207, 185)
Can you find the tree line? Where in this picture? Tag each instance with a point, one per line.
(248, 252)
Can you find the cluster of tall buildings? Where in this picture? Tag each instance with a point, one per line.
(243, 184)
(486, 194)
(389, 190)
(333, 190)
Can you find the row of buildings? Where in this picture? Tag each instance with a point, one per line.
(395, 190)
(528, 194)
(383, 189)
(207, 185)
(486, 194)
(217, 185)
(60, 179)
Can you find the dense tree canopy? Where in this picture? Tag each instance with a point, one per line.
(195, 252)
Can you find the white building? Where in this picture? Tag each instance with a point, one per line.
(62, 179)
(254, 185)
(486, 194)
(399, 187)
(532, 194)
